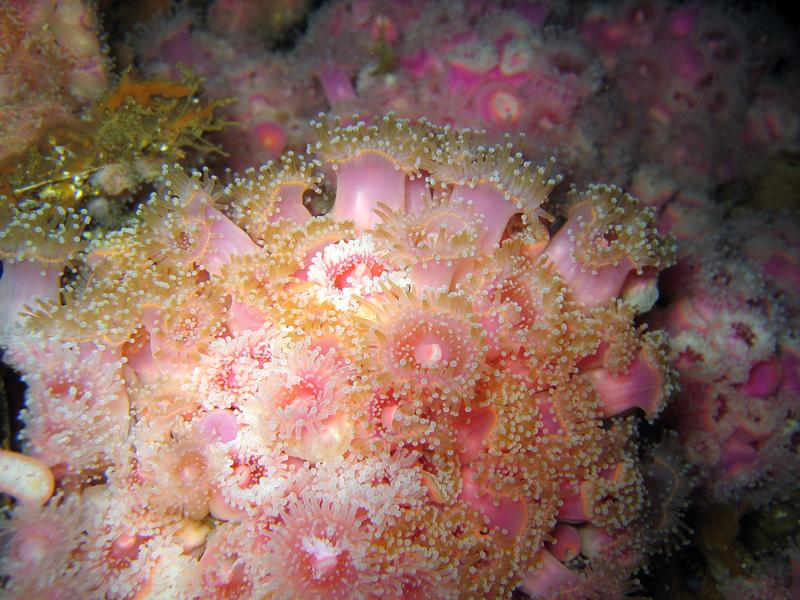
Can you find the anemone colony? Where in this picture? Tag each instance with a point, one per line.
(395, 366)
(407, 396)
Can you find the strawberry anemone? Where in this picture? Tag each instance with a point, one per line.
(320, 549)
(431, 343)
(605, 239)
(305, 398)
(431, 242)
(350, 270)
(39, 545)
(37, 241)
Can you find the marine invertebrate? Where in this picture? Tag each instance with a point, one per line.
(352, 268)
(306, 397)
(38, 240)
(328, 552)
(395, 425)
(67, 385)
(603, 240)
(38, 550)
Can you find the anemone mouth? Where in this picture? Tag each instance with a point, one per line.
(354, 273)
(525, 310)
(323, 556)
(184, 328)
(428, 353)
(516, 56)
(178, 471)
(323, 560)
(307, 396)
(498, 103)
(505, 106)
(435, 349)
(183, 228)
(301, 403)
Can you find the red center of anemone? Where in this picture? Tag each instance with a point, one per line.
(226, 378)
(429, 346)
(183, 240)
(261, 353)
(249, 473)
(236, 371)
(604, 238)
(191, 238)
(186, 331)
(302, 394)
(525, 306)
(353, 272)
(322, 556)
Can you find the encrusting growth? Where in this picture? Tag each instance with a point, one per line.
(419, 394)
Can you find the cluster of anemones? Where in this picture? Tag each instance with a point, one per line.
(675, 65)
(734, 342)
(737, 356)
(729, 308)
(605, 87)
(418, 394)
